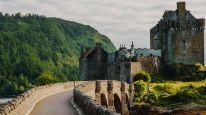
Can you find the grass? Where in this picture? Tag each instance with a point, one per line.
(176, 94)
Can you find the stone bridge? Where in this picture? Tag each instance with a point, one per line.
(104, 97)
(92, 97)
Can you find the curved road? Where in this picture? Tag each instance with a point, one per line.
(58, 104)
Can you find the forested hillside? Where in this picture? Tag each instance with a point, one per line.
(36, 50)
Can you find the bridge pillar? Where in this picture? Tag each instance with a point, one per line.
(131, 93)
(124, 100)
(110, 95)
(98, 92)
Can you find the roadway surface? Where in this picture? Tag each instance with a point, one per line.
(58, 104)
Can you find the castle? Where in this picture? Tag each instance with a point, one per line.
(177, 38)
(96, 63)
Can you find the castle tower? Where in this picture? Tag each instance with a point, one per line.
(181, 11)
(180, 36)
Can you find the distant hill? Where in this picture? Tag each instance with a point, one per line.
(39, 50)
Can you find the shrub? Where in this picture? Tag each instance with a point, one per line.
(45, 78)
(202, 90)
(158, 88)
(140, 88)
(169, 88)
(142, 75)
(184, 96)
(150, 98)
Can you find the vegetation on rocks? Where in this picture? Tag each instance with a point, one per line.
(184, 95)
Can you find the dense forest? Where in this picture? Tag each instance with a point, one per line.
(37, 50)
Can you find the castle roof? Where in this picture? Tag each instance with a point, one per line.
(89, 51)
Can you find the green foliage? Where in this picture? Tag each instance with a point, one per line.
(169, 88)
(45, 78)
(184, 96)
(176, 94)
(140, 89)
(150, 98)
(142, 75)
(33, 44)
(200, 67)
(202, 90)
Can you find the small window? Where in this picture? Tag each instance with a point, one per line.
(184, 44)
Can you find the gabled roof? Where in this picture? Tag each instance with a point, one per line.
(88, 52)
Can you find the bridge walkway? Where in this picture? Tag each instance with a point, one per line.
(58, 104)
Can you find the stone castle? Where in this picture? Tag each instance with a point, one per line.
(177, 38)
(96, 63)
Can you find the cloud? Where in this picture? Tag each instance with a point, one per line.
(123, 21)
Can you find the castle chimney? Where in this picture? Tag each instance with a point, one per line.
(181, 7)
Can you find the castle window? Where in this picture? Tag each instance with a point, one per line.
(184, 44)
(173, 23)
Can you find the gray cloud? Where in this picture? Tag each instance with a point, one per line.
(123, 21)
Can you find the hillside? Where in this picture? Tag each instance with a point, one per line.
(36, 50)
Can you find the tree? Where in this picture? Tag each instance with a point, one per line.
(142, 75)
(45, 78)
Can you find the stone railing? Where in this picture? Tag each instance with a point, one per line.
(23, 104)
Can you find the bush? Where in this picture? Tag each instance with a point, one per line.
(142, 75)
(150, 98)
(202, 90)
(169, 88)
(140, 88)
(184, 96)
(46, 78)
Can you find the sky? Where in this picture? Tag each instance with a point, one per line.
(123, 21)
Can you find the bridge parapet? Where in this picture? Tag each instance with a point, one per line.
(23, 104)
(105, 97)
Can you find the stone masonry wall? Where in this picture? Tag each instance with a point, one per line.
(87, 104)
(24, 103)
(85, 97)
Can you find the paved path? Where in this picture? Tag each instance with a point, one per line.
(58, 104)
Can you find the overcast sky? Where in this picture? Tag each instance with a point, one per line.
(123, 21)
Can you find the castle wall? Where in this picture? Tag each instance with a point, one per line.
(189, 49)
(125, 71)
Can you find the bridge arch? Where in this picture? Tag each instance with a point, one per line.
(103, 100)
(117, 103)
